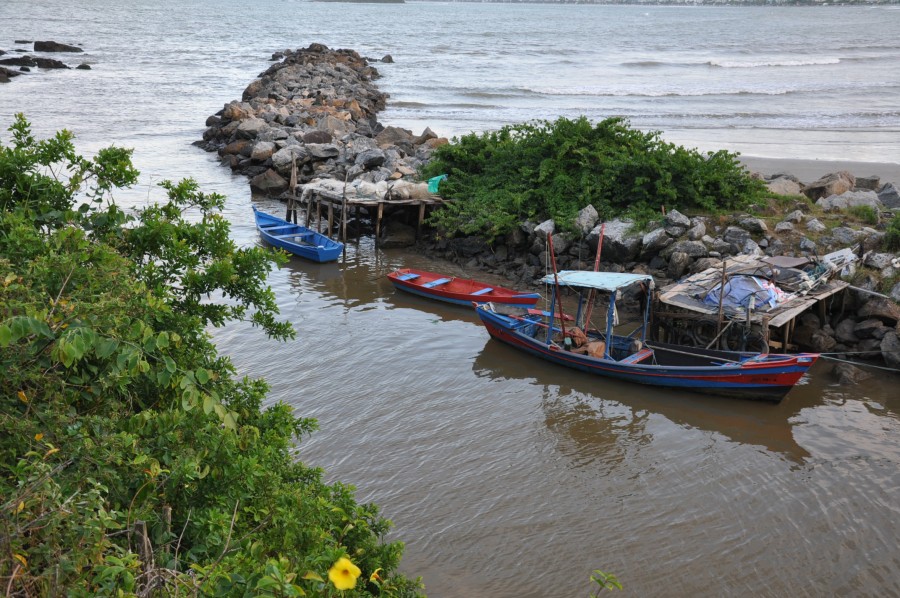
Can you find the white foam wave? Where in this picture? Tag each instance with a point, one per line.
(750, 64)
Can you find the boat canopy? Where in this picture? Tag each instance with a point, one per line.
(601, 281)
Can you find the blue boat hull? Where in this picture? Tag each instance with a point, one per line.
(296, 239)
(751, 376)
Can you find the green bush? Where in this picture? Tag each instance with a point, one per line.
(865, 214)
(133, 461)
(892, 235)
(554, 169)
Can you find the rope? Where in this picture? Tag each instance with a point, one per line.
(856, 363)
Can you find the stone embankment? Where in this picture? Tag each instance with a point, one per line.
(19, 57)
(317, 108)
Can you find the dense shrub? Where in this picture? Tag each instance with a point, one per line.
(554, 169)
(892, 235)
(132, 460)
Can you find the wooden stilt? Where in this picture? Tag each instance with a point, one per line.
(344, 220)
(319, 215)
(330, 217)
(420, 220)
(378, 221)
(309, 208)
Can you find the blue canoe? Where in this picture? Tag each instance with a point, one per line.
(297, 239)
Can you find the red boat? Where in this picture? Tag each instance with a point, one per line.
(461, 291)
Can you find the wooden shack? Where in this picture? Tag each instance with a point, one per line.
(695, 312)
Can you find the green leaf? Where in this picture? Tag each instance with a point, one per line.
(6, 336)
(202, 375)
(208, 404)
(105, 347)
(162, 340)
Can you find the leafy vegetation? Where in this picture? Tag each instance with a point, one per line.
(892, 235)
(133, 461)
(552, 170)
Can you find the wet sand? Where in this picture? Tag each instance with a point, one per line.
(809, 171)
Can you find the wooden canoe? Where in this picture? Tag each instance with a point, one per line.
(461, 291)
(297, 239)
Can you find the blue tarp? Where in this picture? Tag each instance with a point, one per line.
(739, 291)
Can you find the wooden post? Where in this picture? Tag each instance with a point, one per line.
(378, 221)
(344, 220)
(330, 217)
(721, 300)
(167, 520)
(291, 207)
(319, 215)
(420, 220)
(309, 207)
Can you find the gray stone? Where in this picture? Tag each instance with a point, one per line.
(693, 249)
(370, 158)
(869, 183)
(736, 238)
(676, 218)
(849, 374)
(269, 182)
(831, 184)
(262, 151)
(753, 225)
(251, 127)
(678, 264)
(619, 244)
(878, 261)
(586, 219)
(870, 328)
(814, 226)
(323, 151)
(882, 308)
(850, 199)
(890, 349)
(547, 227)
(844, 235)
(796, 217)
(844, 331)
(807, 245)
(784, 227)
(282, 159)
(889, 196)
(784, 186)
(697, 232)
(895, 292)
(655, 241)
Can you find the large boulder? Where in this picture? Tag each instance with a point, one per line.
(831, 184)
(881, 308)
(620, 245)
(51, 46)
(889, 196)
(890, 349)
(784, 186)
(586, 219)
(269, 182)
(850, 199)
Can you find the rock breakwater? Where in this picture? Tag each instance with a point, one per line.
(316, 108)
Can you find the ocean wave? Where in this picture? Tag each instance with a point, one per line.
(740, 64)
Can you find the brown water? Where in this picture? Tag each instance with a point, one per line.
(507, 476)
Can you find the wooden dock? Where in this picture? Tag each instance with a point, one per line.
(338, 199)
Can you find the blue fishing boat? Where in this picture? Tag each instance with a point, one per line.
(634, 357)
(297, 239)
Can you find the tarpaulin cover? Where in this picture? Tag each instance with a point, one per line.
(740, 289)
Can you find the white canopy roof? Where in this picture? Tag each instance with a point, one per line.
(601, 281)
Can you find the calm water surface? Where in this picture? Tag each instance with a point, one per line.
(506, 476)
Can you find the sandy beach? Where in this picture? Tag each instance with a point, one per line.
(809, 171)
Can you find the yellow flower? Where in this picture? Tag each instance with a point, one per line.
(343, 574)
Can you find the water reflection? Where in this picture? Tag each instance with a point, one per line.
(593, 412)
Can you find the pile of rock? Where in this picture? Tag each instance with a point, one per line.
(20, 58)
(315, 108)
